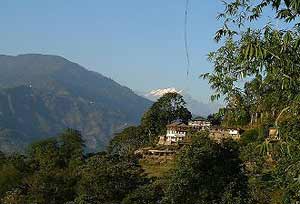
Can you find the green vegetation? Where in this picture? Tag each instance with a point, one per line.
(157, 168)
(249, 136)
(208, 172)
(256, 70)
(168, 108)
(57, 171)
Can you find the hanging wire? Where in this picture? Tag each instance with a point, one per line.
(186, 37)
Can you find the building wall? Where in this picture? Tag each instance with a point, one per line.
(174, 133)
(199, 124)
(174, 136)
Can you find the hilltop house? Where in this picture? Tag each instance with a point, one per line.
(176, 132)
(199, 123)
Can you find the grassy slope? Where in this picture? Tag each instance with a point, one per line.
(154, 168)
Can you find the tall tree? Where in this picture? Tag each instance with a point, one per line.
(71, 147)
(261, 65)
(266, 55)
(108, 179)
(208, 172)
(168, 108)
(127, 141)
(54, 165)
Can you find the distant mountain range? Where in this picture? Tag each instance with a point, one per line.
(195, 106)
(41, 95)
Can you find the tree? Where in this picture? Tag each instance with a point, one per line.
(146, 194)
(208, 172)
(168, 108)
(237, 13)
(45, 155)
(54, 165)
(260, 65)
(267, 57)
(12, 170)
(2, 158)
(249, 136)
(288, 158)
(215, 119)
(260, 170)
(108, 179)
(71, 147)
(127, 141)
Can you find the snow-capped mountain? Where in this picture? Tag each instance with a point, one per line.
(195, 106)
(155, 94)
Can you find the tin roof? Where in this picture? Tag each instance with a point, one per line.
(178, 124)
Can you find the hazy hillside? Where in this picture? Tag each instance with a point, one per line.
(41, 95)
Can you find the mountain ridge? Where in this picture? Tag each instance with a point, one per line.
(62, 94)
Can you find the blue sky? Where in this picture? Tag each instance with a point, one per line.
(138, 43)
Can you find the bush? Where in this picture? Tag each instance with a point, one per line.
(249, 136)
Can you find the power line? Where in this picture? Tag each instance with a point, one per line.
(186, 37)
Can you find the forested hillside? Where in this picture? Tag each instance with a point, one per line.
(41, 95)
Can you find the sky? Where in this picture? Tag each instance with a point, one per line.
(138, 43)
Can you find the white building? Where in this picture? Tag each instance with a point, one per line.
(176, 132)
(199, 123)
(234, 133)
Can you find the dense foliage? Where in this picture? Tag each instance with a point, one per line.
(208, 172)
(168, 108)
(57, 171)
(256, 71)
